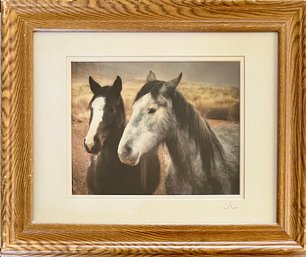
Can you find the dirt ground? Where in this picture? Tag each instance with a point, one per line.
(81, 159)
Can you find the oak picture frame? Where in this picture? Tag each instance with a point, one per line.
(22, 18)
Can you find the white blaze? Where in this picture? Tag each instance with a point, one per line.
(97, 114)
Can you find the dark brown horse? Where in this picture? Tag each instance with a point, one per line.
(107, 174)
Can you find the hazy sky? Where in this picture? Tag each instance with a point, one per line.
(217, 73)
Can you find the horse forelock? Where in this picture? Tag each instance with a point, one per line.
(152, 87)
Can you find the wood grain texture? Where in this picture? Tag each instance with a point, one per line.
(291, 202)
(21, 18)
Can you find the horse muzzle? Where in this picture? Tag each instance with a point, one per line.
(94, 148)
(127, 156)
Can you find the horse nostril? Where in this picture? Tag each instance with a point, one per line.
(86, 146)
(127, 150)
(96, 139)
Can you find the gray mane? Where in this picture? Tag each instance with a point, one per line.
(199, 130)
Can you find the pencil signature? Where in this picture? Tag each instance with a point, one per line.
(230, 206)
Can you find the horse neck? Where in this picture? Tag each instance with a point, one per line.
(184, 152)
(193, 154)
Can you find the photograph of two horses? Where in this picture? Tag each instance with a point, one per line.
(155, 128)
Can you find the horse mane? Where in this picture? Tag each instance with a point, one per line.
(199, 130)
(188, 118)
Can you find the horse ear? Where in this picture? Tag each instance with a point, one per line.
(151, 76)
(94, 86)
(169, 88)
(117, 86)
(174, 83)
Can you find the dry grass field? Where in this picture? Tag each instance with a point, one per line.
(220, 104)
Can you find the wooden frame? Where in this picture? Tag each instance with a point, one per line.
(21, 18)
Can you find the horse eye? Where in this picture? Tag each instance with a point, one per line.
(152, 110)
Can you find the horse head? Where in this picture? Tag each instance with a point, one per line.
(106, 107)
(151, 120)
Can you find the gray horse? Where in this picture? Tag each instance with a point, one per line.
(202, 162)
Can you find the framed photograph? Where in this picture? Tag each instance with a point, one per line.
(145, 169)
(153, 128)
